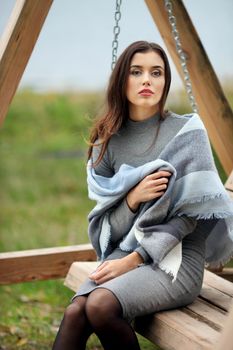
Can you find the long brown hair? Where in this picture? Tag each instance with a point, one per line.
(116, 101)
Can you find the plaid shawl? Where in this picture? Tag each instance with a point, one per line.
(194, 190)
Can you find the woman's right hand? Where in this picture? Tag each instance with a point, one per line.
(151, 187)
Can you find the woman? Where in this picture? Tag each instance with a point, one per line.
(134, 227)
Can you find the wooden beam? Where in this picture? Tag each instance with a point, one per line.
(42, 264)
(16, 46)
(213, 106)
(51, 263)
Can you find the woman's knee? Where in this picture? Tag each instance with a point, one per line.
(101, 306)
(75, 311)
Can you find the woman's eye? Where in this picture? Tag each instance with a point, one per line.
(156, 73)
(135, 72)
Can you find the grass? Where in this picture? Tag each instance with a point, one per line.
(43, 172)
(44, 204)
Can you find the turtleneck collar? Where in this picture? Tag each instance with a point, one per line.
(143, 125)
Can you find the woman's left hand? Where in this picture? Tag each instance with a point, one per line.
(113, 268)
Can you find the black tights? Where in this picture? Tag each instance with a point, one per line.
(100, 313)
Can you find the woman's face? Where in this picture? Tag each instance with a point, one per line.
(145, 84)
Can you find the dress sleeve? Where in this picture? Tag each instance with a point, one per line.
(104, 167)
(121, 219)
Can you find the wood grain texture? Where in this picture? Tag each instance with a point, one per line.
(226, 339)
(214, 109)
(220, 284)
(176, 330)
(215, 297)
(207, 313)
(78, 273)
(41, 264)
(16, 45)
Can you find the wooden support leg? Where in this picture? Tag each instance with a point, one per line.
(16, 45)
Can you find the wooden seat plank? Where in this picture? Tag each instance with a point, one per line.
(78, 272)
(208, 313)
(219, 283)
(215, 297)
(176, 330)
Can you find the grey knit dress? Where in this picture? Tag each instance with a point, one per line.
(144, 290)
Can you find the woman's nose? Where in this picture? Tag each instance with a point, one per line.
(146, 79)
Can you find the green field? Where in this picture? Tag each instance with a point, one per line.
(43, 203)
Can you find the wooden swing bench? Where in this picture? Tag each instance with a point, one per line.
(195, 327)
(200, 324)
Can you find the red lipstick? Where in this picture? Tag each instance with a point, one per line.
(146, 92)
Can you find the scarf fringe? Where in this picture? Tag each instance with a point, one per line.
(203, 199)
(169, 273)
(105, 236)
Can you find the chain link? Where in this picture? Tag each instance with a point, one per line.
(181, 54)
(116, 32)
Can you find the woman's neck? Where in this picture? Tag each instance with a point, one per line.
(140, 113)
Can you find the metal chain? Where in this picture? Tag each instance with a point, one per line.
(181, 54)
(116, 32)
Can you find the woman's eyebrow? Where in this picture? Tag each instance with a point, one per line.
(138, 66)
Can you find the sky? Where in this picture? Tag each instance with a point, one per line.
(74, 49)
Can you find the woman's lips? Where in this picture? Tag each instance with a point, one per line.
(146, 92)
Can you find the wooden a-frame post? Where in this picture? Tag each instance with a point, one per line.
(16, 45)
(213, 106)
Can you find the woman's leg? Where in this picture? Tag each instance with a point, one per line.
(75, 328)
(104, 313)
